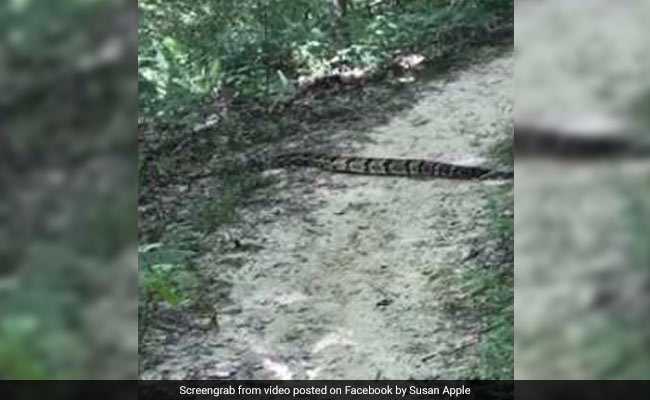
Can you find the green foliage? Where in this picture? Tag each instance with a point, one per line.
(616, 350)
(107, 226)
(165, 275)
(636, 216)
(188, 50)
(18, 359)
(47, 56)
(493, 294)
(502, 150)
(67, 107)
(502, 222)
(486, 293)
(489, 295)
(42, 329)
(615, 345)
(163, 282)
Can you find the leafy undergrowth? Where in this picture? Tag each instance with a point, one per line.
(166, 276)
(67, 191)
(484, 292)
(616, 339)
(264, 47)
(494, 295)
(637, 216)
(502, 150)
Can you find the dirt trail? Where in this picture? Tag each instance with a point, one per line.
(343, 281)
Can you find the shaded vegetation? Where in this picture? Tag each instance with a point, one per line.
(189, 51)
(495, 298)
(484, 292)
(165, 276)
(67, 190)
(615, 342)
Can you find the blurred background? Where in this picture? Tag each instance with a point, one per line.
(582, 189)
(68, 262)
(68, 266)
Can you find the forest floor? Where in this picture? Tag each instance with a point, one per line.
(331, 276)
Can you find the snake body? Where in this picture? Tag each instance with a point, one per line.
(407, 167)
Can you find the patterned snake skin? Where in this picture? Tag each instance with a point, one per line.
(381, 166)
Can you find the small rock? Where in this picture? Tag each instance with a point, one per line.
(222, 372)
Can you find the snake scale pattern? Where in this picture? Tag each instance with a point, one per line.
(417, 168)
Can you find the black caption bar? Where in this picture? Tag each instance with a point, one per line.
(305, 390)
(321, 390)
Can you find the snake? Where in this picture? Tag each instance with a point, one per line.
(407, 167)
